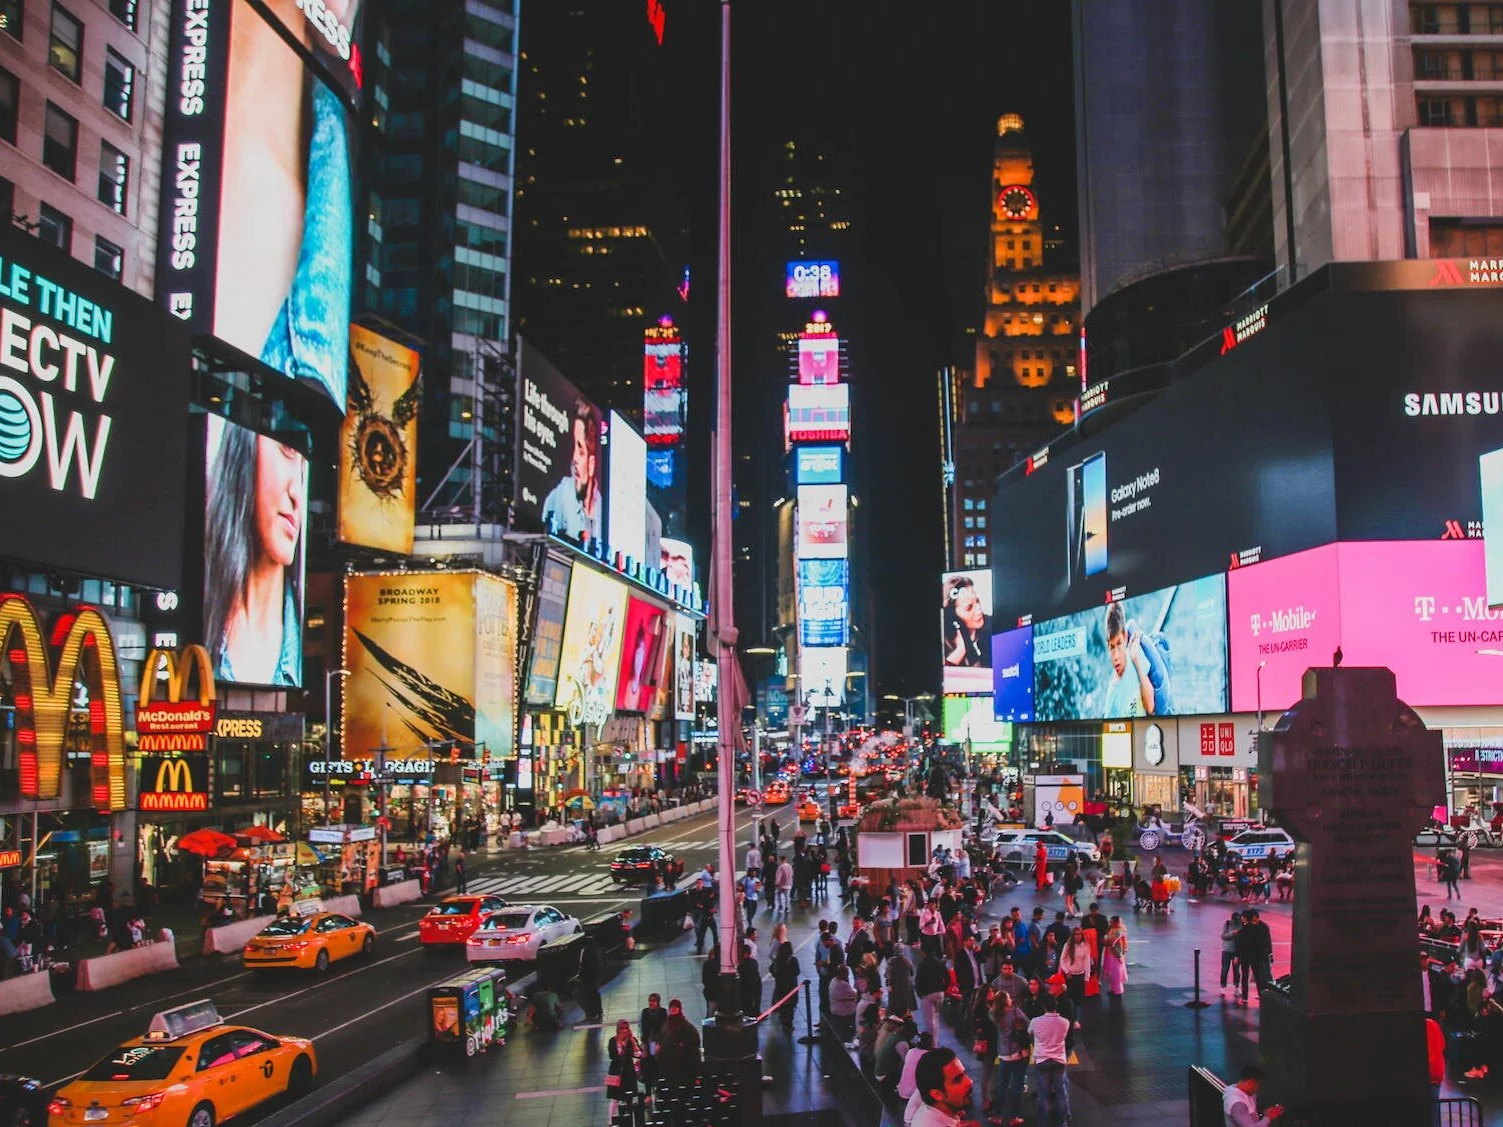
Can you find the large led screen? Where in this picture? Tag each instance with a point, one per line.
(560, 463)
(813, 279)
(495, 667)
(818, 414)
(1012, 674)
(819, 465)
(643, 640)
(1491, 472)
(822, 522)
(1284, 616)
(824, 602)
(1159, 654)
(819, 360)
(590, 654)
(663, 398)
(971, 720)
(824, 669)
(548, 634)
(966, 631)
(378, 444)
(93, 420)
(627, 507)
(255, 537)
(683, 669)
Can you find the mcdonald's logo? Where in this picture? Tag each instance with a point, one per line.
(179, 714)
(85, 652)
(9, 858)
(180, 783)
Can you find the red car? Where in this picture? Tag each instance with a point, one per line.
(449, 925)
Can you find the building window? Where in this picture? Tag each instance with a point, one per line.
(1434, 111)
(125, 12)
(60, 142)
(109, 259)
(119, 83)
(65, 48)
(114, 177)
(970, 522)
(56, 228)
(7, 200)
(970, 559)
(969, 504)
(981, 521)
(10, 103)
(12, 15)
(980, 559)
(1451, 238)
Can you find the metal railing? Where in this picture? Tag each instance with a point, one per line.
(1206, 1089)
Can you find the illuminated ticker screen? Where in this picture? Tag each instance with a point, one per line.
(813, 279)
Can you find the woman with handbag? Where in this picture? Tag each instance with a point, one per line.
(1114, 959)
(623, 1087)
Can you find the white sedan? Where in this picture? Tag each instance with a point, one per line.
(515, 933)
(1261, 845)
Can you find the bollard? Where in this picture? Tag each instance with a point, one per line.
(808, 1038)
(1197, 1004)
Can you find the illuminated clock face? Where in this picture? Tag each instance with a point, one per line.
(1017, 201)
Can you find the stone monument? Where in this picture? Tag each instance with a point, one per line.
(1351, 772)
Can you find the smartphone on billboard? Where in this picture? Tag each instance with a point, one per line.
(1093, 479)
(1074, 523)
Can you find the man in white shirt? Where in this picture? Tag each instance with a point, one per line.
(943, 1089)
(907, 1081)
(1049, 1031)
(754, 861)
(782, 885)
(1240, 1101)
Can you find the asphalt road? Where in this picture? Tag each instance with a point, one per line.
(362, 1007)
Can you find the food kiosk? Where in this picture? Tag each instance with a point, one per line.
(251, 874)
(470, 1010)
(351, 858)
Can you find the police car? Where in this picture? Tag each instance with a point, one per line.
(1260, 845)
(1019, 847)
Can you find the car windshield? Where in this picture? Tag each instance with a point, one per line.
(136, 1062)
(510, 921)
(289, 926)
(454, 908)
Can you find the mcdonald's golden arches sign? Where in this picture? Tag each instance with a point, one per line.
(180, 723)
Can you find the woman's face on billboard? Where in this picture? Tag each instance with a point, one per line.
(279, 500)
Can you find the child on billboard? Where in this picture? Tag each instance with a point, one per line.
(1141, 673)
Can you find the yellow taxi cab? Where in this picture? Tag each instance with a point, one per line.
(190, 1069)
(308, 942)
(809, 810)
(776, 794)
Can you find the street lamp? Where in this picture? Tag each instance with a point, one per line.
(1259, 678)
(908, 703)
(329, 675)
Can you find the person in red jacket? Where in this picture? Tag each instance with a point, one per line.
(1040, 866)
(1435, 1046)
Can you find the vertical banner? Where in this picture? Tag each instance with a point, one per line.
(548, 633)
(495, 665)
(378, 444)
(683, 670)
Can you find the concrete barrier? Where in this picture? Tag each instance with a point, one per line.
(635, 825)
(26, 992)
(344, 905)
(672, 814)
(231, 938)
(105, 971)
(402, 892)
(515, 840)
(651, 822)
(610, 834)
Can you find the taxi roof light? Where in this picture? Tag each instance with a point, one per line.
(193, 1017)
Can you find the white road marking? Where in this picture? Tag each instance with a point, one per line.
(408, 935)
(56, 1032)
(563, 1091)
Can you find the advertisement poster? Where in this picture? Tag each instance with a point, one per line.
(1060, 795)
(645, 636)
(90, 465)
(664, 402)
(824, 669)
(548, 633)
(255, 537)
(819, 359)
(591, 650)
(676, 559)
(1491, 467)
(378, 444)
(1012, 674)
(813, 279)
(823, 602)
(495, 667)
(683, 670)
(1284, 616)
(560, 468)
(822, 522)
(409, 644)
(706, 680)
(1159, 654)
(818, 414)
(966, 631)
(971, 719)
(627, 506)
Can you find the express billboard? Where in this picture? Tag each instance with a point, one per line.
(1159, 654)
(378, 444)
(966, 630)
(818, 413)
(548, 633)
(823, 530)
(560, 461)
(256, 181)
(1012, 674)
(254, 553)
(590, 653)
(93, 420)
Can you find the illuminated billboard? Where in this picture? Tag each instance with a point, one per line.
(663, 395)
(812, 280)
(1012, 674)
(646, 635)
(626, 507)
(1285, 616)
(823, 670)
(824, 602)
(378, 444)
(548, 633)
(819, 359)
(819, 465)
(1491, 467)
(823, 527)
(676, 560)
(683, 669)
(590, 653)
(970, 720)
(256, 174)
(93, 420)
(818, 413)
(560, 467)
(1159, 654)
(966, 631)
(254, 549)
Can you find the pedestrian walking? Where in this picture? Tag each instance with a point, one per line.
(1012, 1058)
(785, 972)
(782, 888)
(930, 983)
(1229, 932)
(1450, 871)
(751, 892)
(459, 872)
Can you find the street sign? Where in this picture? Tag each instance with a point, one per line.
(797, 713)
(753, 798)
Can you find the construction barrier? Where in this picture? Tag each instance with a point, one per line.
(231, 938)
(402, 892)
(104, 971)
(25, 992)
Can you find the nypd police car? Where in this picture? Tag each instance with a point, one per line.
(1019, 847)
(1264, 844)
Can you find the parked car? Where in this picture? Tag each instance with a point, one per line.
(516, 933)
(1017, 847)
(1268, 843)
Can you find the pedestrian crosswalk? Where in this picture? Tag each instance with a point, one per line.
(521, 888)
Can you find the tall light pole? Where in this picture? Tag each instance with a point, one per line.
(329, 675)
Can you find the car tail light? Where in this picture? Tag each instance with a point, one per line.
(58, 1106)
(297, 946)
(516, 939)
(144, 1103)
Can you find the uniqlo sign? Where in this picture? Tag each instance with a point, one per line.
(1226, 739)
(1208, 739)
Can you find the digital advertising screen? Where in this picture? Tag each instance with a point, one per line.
(646, 634)
(560, 458)
(676, 561)
(683, 669)
(823, 525)
(824, 610)
(590, 654)
(1490, 466)
(1159, 654)
(1285, 616)
(823, 670)
(255, 549)
(819, 360)
(627, 492)
(1012, 674)
(706, 679)
(813, 280)
(819, 465)
(495, 667)
(966, 631)
(257, 161)
(970, 719)
(548, 633)
(818, 414)
(378, 444)
(93, 420)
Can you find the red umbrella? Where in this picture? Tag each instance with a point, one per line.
(205, 842)
(260, 833)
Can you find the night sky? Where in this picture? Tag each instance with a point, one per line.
(921, 86)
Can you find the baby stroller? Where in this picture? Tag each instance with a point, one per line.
(1142, 896)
